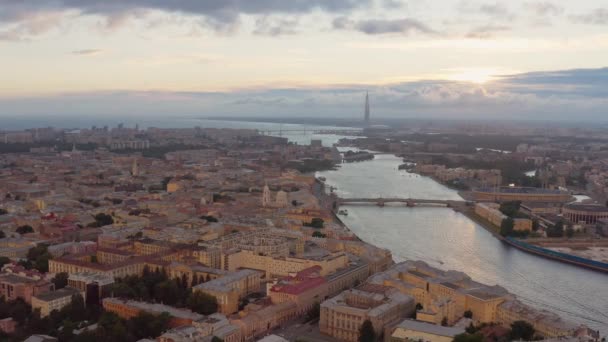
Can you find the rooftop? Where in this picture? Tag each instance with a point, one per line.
(428, 328)
(61, 293)
(156, 308)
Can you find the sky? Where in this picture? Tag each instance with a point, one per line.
(486, 59)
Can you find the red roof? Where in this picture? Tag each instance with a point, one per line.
(304, 280)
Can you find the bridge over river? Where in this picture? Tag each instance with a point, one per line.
(410, 202)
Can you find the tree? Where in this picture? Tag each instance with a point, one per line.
(521, 330)
(202, 303)
(25, 229)
(464, 337)
(60, 280)
(315, 223)
(556, 230)
(366, 332)
(506, 227)
(510, 208)
(146, 325)
(38, 257)
(468, 314)
(4, 260)
(103, 219)
(318, 234)
(314, 312)
(569, 232)
(535, 225)
(216, 339)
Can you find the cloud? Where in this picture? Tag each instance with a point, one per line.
(266, 26)
(544, 8)
(382, 26)
(216, 14)
(20, 25)
(87, 52)
(486, 31)
(598, 16)
(562, 94)
(495, 10)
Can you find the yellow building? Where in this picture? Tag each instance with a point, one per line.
(55, 300)
(282, 266)
(522, 194)
(342, 316)
(230, 288)
(410, 330)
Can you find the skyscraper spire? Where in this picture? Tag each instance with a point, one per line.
(367, 107)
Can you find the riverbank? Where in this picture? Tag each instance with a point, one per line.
(537, 250)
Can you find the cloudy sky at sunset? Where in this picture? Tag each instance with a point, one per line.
(417, 58)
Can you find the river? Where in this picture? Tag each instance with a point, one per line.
(450, 240)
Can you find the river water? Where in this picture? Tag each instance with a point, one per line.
(449, 240)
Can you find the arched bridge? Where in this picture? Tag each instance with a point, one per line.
(381, 201)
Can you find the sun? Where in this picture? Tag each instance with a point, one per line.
(478, 76)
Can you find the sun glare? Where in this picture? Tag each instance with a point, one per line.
(478, 76)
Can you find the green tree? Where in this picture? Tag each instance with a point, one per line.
(556, 230)
(464, 337)
(521, 330)
(25, 229)
(510, 208)
(569, 232)
(216, 339)
(468, 314)
(506, 227)
(202, 303)
(4, 260)
(314, 312)
(60, 280)
(146, 325)
(366, 332)
(535, 225)
(38, 257)
(316, 223)
(318, 234)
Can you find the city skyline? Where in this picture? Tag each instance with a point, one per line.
(454, 59)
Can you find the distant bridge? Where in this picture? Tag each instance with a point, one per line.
(303, 131)
(410, 202)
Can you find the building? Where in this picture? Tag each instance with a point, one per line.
(95, 286)
(129, 308)
(410, 330)
(13, 286)
(8, 325)
(523, 194)
(55, 300)
(230, 288)
(304, 288)
(342, 316)
(259, 318)
(545, 323)
(492, 213)
(443, 294)
(584, 213)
